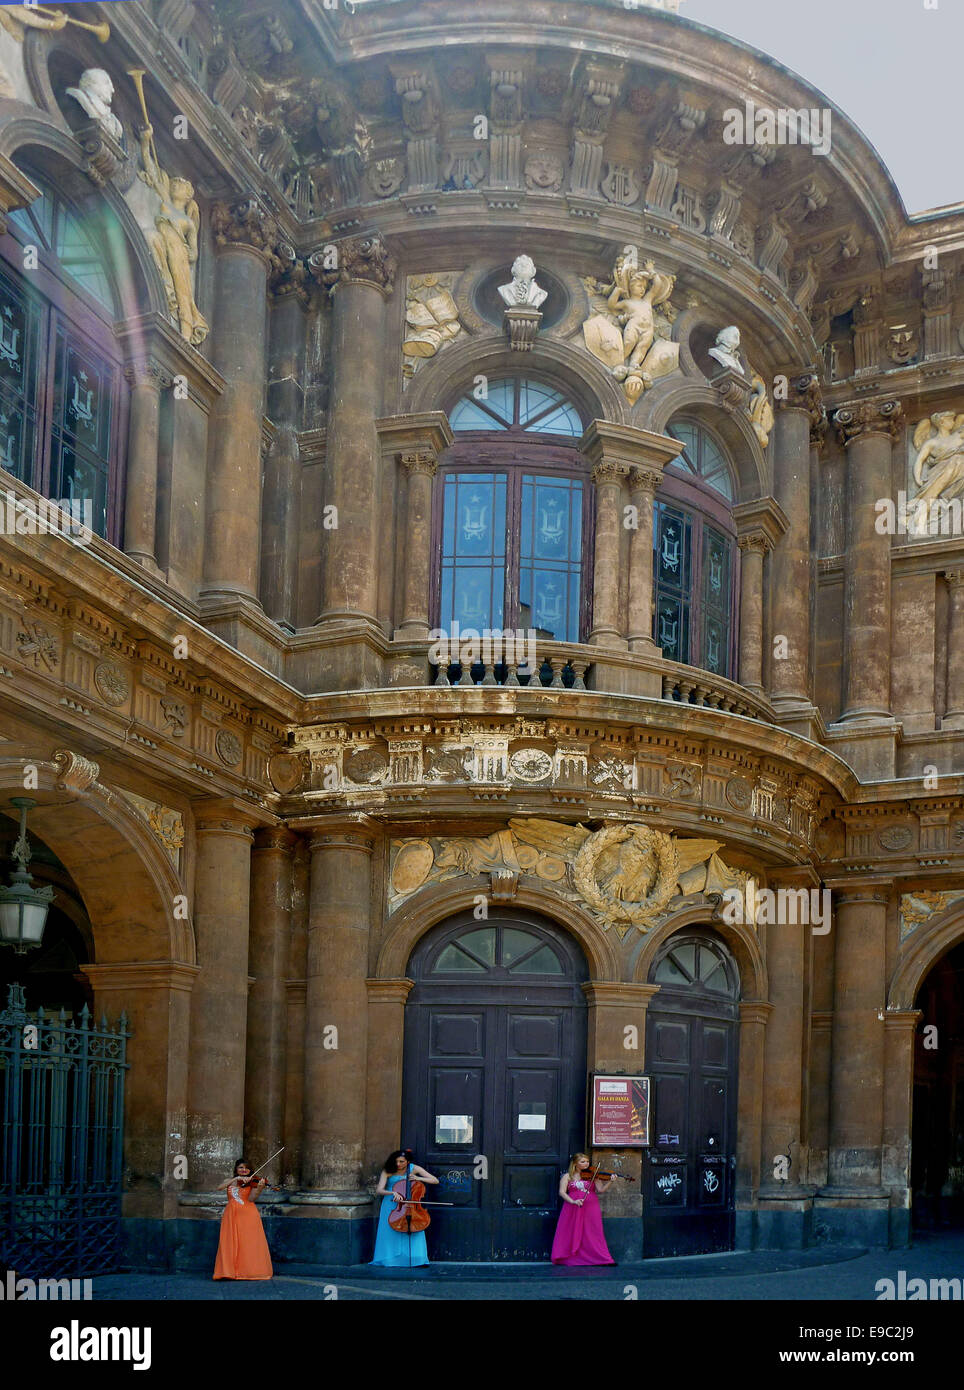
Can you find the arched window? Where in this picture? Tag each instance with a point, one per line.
(512, 503)
(694, 554)
(61, 392)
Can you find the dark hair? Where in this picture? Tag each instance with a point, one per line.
(389, 1165)
(239, 1163)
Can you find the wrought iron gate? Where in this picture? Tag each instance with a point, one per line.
(62, 1111)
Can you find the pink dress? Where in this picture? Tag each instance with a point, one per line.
(579, 1238)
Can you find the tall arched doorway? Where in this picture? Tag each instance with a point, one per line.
(692, 1058)
(495, 1079)
(937, 1154)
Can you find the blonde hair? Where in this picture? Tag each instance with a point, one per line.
(573, 1162)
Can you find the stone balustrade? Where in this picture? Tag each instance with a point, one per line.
(689, 685)
(557, 665)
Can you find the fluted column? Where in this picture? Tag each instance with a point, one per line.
(220, 997)
(790, 564)
(867, 431)
(271, 871)
(643, 483)
(146, 379)
(858, 1039)
(336, 1036)
(954, 706)
(244, 235)
(363, 284)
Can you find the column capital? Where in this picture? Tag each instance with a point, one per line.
(244, 224)
(147, 371)
(644, 479)
(329, 838)
(606, 442)
(756, 541)
(275, 837)
(394, 991)
(420, 461)
(364, 260)
(868, 418)
(803, 393)
(619, 996)
(225, 818)
(954, 578)
(608, 472)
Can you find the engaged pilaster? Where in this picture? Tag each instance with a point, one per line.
(147, 379)
(954, 708)
(415, 441)
(760, 526)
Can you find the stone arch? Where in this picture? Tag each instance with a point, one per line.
(696, 399)
(922, 955)
(444, 900)
(42, 139)
(449, 374)
(127, 883)
(740, 938)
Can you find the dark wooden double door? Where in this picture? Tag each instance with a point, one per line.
(692, 1036)
(494, 1093)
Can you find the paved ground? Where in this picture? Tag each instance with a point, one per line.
(844, 1275)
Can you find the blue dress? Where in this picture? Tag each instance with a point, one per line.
(394, 1247)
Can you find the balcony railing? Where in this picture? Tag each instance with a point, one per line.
(556, 666)
(689, 685)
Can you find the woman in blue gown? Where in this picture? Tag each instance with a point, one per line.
(392, 1247)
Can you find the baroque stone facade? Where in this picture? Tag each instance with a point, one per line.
(307, 377)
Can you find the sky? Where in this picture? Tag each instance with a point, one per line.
(894, 67)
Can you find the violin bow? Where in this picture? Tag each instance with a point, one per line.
(266, 1162)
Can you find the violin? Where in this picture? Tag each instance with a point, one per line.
(410, 1216)
(601, 1173)
(255, 1181)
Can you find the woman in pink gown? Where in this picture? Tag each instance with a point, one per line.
(579, 1238)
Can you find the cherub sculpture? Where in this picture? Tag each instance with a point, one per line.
(627, 333)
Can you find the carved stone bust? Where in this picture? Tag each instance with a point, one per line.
(95, 93)
(522, 290)
(726, 349)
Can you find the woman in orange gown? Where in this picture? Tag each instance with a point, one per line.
(242, 1251)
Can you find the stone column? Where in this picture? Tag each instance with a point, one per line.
(365, 278)
(613, 1008)
(787, 970)
(858, 1040)
(867, 431)
(607, 478)
(156, 996)
(900, 1032)
(146, 379)
(753, 548)
(336, 1032)
(420, 468)
(760, 526)
(271, 869)
(222, 884)
(643, 483)
(244, 236)
(386, 1029)
(295, 991)
(754, 1015)
(954, 703)
(790, 566)
(615, 451)
(282, 501)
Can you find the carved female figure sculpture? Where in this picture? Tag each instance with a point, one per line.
(175, 245)
(939, 441)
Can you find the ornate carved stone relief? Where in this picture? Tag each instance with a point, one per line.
(629, 329)
(626, 875)
(431, 316)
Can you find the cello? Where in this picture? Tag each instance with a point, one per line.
(410, 1215)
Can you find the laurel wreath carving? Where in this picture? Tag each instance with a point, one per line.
(638, 914)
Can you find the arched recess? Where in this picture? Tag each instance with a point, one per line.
(36, 140)
(411, 922)
(921, 955)
(684, 396)
(739, 937)
(128, 884)
(439, 383)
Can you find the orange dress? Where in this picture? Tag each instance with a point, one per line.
(242, 1251)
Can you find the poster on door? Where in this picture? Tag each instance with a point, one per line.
(620, 1112)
